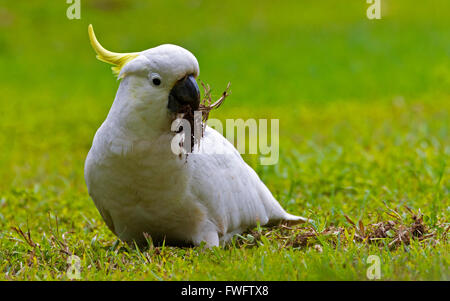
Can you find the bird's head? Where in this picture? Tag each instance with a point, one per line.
(154, 82)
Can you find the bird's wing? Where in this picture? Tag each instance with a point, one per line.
(231, 191)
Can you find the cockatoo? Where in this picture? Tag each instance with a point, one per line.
(137, 182)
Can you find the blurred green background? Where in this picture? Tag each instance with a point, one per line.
(363, 104)
(282, 54)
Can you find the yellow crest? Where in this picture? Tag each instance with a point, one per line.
(113, 58)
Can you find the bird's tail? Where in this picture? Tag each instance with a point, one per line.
(294, 219)
(280, 216)
(277, 214)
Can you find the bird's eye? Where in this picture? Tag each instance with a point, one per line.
(156, 81)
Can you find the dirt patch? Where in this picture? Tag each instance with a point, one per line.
(394, 232)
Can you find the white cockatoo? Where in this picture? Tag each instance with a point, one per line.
(137, 182)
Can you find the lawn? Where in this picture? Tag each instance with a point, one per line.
(364, 134)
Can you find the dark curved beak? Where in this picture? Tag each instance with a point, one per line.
(184, 93)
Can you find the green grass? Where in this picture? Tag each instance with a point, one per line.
(364, 121)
